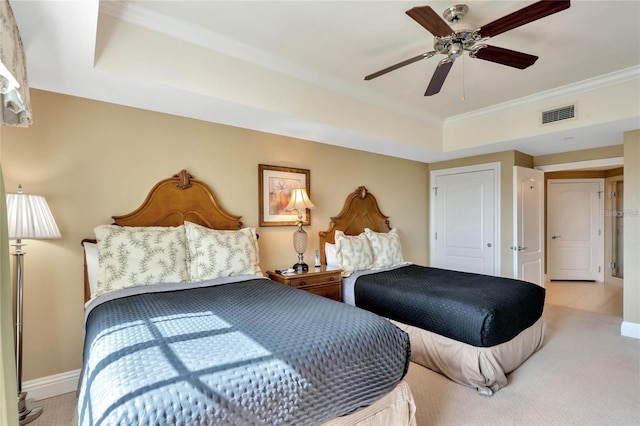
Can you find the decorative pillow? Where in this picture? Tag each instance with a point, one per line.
(215, 254)
(386, 248)
(353, 252)
(91, 257)
(331, 255)
(132, 256)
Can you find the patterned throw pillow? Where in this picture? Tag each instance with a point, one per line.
(131, 256)
(354, 252)
(386, 248)
(216, 254)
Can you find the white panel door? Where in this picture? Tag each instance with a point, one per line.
(528, 213)
(465, 222)
(574, 229)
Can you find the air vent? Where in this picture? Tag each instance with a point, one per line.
(558, 114)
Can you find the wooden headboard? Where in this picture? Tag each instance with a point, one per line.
(360, 211)
(172, 201)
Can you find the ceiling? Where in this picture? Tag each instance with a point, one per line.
(328, 46)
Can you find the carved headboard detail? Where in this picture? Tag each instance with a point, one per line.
(181, 197)
(360, 211)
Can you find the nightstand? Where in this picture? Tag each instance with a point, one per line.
(323, 281)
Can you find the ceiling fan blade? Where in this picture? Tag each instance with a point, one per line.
(503, 56)
(523, 16)
(430, 20)
(425, 55)
(439, 76)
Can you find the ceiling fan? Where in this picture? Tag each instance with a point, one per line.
(453, 42)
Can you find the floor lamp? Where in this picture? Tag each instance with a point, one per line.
(28, 217)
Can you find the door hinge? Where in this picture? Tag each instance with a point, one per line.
(599, 268)
(600, 194)
(612, 265)
(435, 191)
(612, 194)
(599, 232)
(436, 235)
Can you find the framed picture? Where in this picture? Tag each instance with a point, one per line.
(275, 185)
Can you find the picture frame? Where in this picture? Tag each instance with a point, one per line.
(275, 184)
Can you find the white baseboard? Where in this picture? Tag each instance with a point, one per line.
(630, 329)
(47, 387)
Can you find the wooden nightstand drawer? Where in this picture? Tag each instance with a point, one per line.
(311, 279)
(321, 281)
(330, 291)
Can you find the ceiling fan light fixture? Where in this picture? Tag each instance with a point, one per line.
(455, 50)
(455, 12)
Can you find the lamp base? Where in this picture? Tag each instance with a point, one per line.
(27, 413)
(301, 267)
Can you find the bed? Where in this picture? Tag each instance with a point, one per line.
(472, 328)
(181, 327)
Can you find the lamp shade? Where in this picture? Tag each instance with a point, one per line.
(299, 200)
(29, 217)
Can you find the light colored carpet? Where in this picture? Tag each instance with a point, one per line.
(585, 374)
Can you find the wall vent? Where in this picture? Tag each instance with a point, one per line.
(558, 114)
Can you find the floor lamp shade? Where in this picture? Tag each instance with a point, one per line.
(28, 217)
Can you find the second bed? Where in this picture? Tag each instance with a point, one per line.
(472, 328)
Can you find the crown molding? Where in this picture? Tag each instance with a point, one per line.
(627, 74)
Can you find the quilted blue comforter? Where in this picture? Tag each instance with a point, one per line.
(251, 352)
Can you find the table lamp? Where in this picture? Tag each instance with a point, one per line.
(300, 201)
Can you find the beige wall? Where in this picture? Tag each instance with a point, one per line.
(92, 160)
(612, 151)
(631, 292)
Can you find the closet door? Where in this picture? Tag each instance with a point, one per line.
(465, 219)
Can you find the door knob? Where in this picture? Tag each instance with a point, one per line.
(555, 237)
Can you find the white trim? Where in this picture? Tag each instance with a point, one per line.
(47, 387)
(497, 233)
(630, 329)
(604, 162)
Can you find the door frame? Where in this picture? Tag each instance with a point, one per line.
(609, 231)
(433, 175)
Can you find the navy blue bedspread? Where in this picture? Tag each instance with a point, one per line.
(248, 353)
(480, 310)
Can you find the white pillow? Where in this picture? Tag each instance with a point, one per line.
(215, 254)
(386, 248)
(91, 257)
(130, 256)
(331, 255)
(353, 252)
